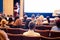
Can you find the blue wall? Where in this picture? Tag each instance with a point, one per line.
(44, 14)
(1, 5)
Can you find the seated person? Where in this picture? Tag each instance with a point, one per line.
(4, 24)
(10, 22)
(56, 18)
(45, 22)
(26, 24)
(7, 17)
(3, 35)
(33, 18)
(31, 32)
(18, 23)
(48, 19)
(41, 17)
(57, 27)
(25, 18)
(39, 22)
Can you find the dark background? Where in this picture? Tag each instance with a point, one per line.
(16, 1)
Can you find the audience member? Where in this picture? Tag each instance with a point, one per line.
(56, 18)
(3, 24)
(24, 18)
(31, 32)
(48, 19)
(11, 17)
(39, 22)
(26, 23)
(7, 17)
(3, 35)
(37, 16)
(10, 22)
(18, 23)
(17, 17)
(33, 17)
(3, 16)
(41, 17)
(57, 27)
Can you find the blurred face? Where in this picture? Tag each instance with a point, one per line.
(17, 3)
(3, 22)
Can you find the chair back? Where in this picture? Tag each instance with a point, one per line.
(54, 34)
(15, 36)
(30, 38)
(49, 38)
(43, 32)
(44, 27)
(15, 30)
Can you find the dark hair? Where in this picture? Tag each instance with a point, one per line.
(0, 19)
(10, 20)
(16, 18)
(31, 25)
(58, 23)
(48, 19)
(33, 16)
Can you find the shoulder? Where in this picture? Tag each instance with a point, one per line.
(25, 33)
(3, 33)
(54, 28)
(38, 34)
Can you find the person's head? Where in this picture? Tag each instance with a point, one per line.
(7, 15)
(58, 23)
(17, 17)
(10, 16)
(39, 21)
(48, 19)
(25, 16)
(17, 3)
(41, 17)
(33, 17)
(37, 17)
(3, 22)
(56, 18)
(31, 25)
(10, 20)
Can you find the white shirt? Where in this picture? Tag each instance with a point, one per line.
(31, 33)
(55, 28)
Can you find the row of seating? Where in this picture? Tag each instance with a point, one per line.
(22, 37)
(46, 33)
(44, 27)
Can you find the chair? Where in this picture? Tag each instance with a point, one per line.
(30, 38)
(43, 32)
(49, 38)
(14, 36)
(44, 27)
(54, 34)
(15, 30)
(3, 35)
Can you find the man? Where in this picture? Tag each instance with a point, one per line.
(31, 32)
